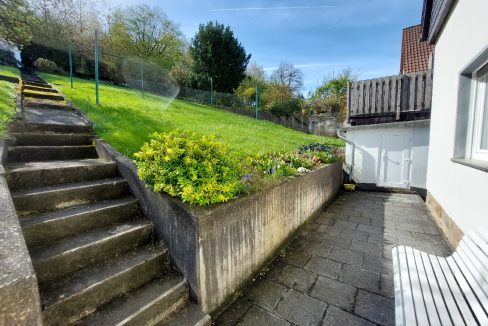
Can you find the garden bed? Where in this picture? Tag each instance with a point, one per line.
(220, 247)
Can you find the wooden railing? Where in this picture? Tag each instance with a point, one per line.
(395, 96)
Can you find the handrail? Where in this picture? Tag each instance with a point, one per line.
(353, 149)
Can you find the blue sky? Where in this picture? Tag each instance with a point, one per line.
(318, 36)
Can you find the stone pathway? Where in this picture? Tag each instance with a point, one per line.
(338, 271)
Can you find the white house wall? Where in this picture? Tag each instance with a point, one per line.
(368, 153)
(462, 191)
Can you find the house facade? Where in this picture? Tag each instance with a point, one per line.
(457, 173)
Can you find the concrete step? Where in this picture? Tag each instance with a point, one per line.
(36, 83)
(45, 88)
(71, 254)
(47, 173)
(43, 199)
(32, 103)
(50, 153)
(68, 300)
(190, 315)
(29, 127)
(51, 139)
(144, 306)
(48, 228)
(43, 96)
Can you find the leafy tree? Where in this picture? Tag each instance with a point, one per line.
(331, 95)
(255, 77)
(255, 71)
(217, 53)
(281, 99)
(287, 75)
(148, 33)
(16, 19)
(336, 85)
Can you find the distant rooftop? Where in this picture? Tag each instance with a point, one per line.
(415, 53)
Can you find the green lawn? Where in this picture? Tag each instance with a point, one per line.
(9, 71)
(126, 120)
(7, 104)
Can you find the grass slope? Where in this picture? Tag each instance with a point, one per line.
(126, 120)
(7, 104)
(9, 71)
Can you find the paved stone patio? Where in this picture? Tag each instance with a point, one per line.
(338, 271)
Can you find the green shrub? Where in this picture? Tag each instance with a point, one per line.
(287, 164)
(316, 147)
(46, 65)
(198, 169)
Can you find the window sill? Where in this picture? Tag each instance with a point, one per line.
(475, 164)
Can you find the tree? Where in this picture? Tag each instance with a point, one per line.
(331, 95)
(336, 85)
(287, 75)
(148, 33)
(16, 19)
(255, 71)
(217, 53)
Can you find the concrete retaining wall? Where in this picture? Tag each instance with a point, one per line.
(219, 248)
(19, 295)
(318, 124)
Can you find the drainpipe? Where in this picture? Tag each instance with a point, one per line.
(353, 149)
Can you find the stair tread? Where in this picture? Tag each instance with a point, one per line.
(59, 164)
(122, 308)
(50, 146)
(50, 133)
(75, 210)
(66, 186)
(91, 238)
(189, 315)
(62, 289)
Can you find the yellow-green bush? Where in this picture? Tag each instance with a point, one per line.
(198, 169)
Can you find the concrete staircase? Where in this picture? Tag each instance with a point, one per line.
(94, 253)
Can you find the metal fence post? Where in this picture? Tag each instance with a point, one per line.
(96, 66)
(257, 101)
(70, 66)
(211, 91)
(142, 79)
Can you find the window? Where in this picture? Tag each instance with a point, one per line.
(479, 145)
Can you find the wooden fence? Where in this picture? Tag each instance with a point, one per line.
(390, 96)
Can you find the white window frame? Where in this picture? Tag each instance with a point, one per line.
(479, 112)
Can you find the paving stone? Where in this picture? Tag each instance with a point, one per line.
(267, 294)
(370, 228)
(346, 225)
(300, 309)
(367, 248)
(378, 265)
(324, 266)
(375, 308)
(386, 284)
(365, 282)
(296, 278)
(346, 256)
(376, 238)
(360, 278)
(337, 241)
(234, 313)
(355, 235)
(296, 258)
(334, 292)
(318, 248)
(257, 316)
(336, 316)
